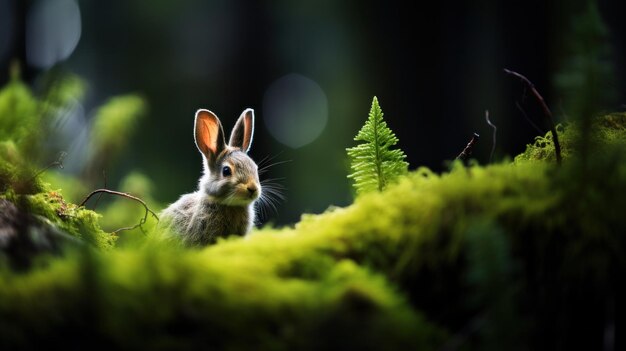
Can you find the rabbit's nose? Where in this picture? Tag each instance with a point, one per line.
(251, 189)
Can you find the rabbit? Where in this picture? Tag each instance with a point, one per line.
(228, 189)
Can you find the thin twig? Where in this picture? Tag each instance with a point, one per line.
(467, 152)
(530, 121)
(57, 163)
(104, 174)
(546, 111)
(113, 192)
(495, 129)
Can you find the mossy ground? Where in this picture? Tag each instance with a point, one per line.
(22, 186)
(513, 256)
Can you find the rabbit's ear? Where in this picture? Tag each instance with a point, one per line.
(241, 136)
(209, 135)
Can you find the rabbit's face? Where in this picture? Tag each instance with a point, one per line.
(233, 180)
(231, 177)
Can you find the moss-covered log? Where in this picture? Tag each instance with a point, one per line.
(509, 256)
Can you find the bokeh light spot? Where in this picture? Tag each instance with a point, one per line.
(53, 29)
(295, 110)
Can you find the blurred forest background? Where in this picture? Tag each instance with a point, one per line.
(310, 70)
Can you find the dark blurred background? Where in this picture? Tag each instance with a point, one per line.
(310, 70)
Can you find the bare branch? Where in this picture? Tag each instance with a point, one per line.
(467, 152)
(57, 163)
(546, 111)
(495, 129)
(104, 174)
(112, 192)
(530, 121)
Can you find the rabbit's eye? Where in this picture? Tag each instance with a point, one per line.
(226, 171)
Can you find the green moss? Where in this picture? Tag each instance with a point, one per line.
(611, 128)
(166, 299)
(74, 190)
(62, 89)
(485, 251)
(23, 119)
(20, 115)
(20, 126)
(16, 174)
(607, 130)
(114, 125)
(72, 219)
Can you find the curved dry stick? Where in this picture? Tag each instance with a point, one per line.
(493, 141)
(104, 174)
(468, 149)
(546, 111)
(113, 192)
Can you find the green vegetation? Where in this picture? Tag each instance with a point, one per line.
(521, 255)
(70, 218)
(113, 127)
(374, 165)
(586, 80)
(609, 133)
(17, 105)
(25, 119)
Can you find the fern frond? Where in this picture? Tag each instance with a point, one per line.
(374, 164)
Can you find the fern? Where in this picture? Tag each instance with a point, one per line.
(374, 165)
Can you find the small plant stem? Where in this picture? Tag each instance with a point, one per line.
(113, 192)
(467, 151)
(546, 111)
(493, 140)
